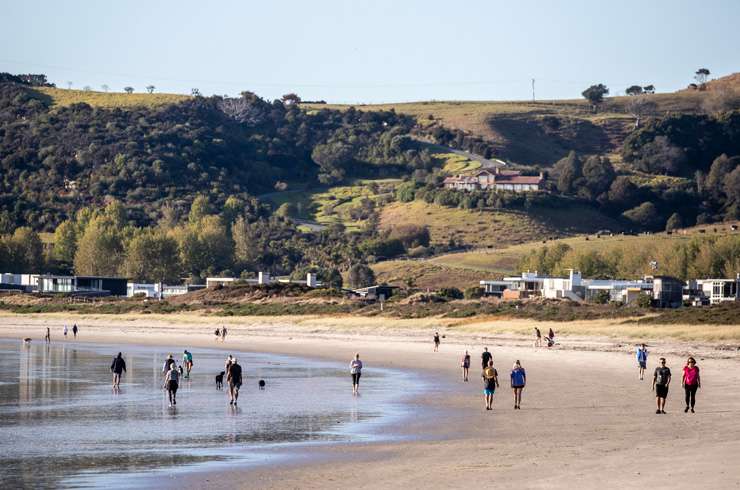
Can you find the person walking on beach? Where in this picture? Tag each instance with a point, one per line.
(518, 382)
(223, 333)
(227, 365)
(485, 357)
(661, 380)
(691, 382)
(48, 336)
(117, 367)
(218, 334)
(169, 363)
(234, 378)
(355, 369)
(537, 337)
(465, 365)
(187, 361)
(65, 331)
(75, 330)
(642, 355)
(171, 383)
(436, 341)
(490, 383)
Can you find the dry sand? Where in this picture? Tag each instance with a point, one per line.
(586, 420)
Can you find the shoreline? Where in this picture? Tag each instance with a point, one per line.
(584, 412)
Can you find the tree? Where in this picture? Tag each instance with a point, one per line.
(450, 293)
(638, 107)
(99, 249)
(128, 90)
(598, 175)
(151, 256)
(199, 209)
(406, 192)
(65, 242)
(69, 85)
(287, 210)
(24, 251)
(360, 276)
(732, 191)
(595, 94)
(195, 92)
(291, 98)
(602, 297)
(150, 89)
(104, 87)
(569, 172)
(634, 90)
(644, 300)
(701, 76)
(231, 209)
(332, 278)
(649, 89)
(645, 215)
(674, 222)
(87, 88)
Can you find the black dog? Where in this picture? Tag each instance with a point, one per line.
(220, 380)
(262, 384)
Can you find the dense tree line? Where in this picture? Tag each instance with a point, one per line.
(700, 257)
(55, 161)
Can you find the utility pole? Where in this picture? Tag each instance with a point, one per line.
(533, 90)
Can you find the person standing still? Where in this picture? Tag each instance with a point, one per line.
(642, 355)
(691, 382)
(537, 337)
(436, 341)
(117, 367)
(465, 364)
(355, 369)
(490, 383)
(75, 330)
(223, 334)
(661, 380)
(48, 336)
(485, 357)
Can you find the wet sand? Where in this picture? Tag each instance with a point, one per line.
(586, 419)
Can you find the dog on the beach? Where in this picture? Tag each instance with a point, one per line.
(220, 380)
(262, 384)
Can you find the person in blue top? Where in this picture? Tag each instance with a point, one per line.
(642, 355)
(518, 382)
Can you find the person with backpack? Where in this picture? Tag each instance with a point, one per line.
(691, 382)
(117, 367)
(490, 383)
(642, 355)
(171, 383)
(518, 382)
(465, 364)
(661, 381)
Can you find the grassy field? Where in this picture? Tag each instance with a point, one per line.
(332, 205)
(452, 163)
(505, 259)
(65, 97)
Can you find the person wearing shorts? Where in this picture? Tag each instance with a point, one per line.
(485, 357)
(234, 378)
(642, 355)
(661, 380)
(691, 382)
(355, 369)
(537, 337)
(490, 383)
(518, 382)
(171, 383)
(187, 361)
(117, 367)
(436, 341)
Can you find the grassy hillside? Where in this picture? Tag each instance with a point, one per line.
(65, 97)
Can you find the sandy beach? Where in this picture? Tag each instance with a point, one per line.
(586, 419)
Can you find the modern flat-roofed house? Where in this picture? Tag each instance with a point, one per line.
(380, 292)
(21, 282)
(92, 285)
(715, 291)
(497, 180)
(667, 291)
(517, 287)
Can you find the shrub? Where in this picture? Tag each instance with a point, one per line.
(644, 300)
(450, 293)
(473, 292)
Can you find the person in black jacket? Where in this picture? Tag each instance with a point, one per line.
(234, 378)
(118, 367)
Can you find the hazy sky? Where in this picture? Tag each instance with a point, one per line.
(371, 51)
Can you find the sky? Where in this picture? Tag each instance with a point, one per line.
(357, 51)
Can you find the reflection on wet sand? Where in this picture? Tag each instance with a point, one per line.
(60, 417)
